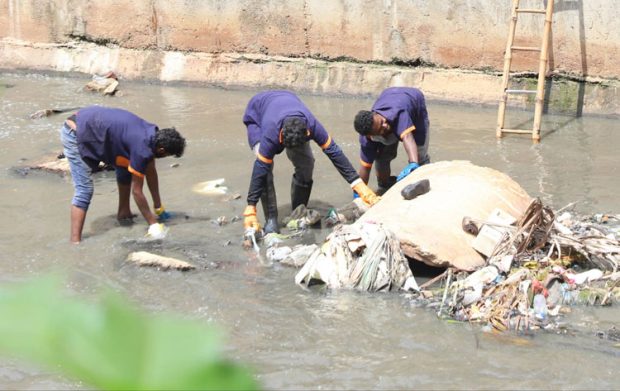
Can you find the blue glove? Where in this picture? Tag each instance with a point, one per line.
(355, 195)
(407, 170)
(162, 214)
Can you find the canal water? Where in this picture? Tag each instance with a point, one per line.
(293, 339)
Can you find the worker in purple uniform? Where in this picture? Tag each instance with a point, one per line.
(398, 115)
(130, 144)
(278, 120)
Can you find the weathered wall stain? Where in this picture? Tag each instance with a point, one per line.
(195, 40)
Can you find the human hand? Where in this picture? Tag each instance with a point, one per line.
(250, 221)
(162, 214)
(407, 170)
(365, 193)
(156, 231)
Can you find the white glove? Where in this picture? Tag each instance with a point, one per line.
(255, 149)
(156, 231)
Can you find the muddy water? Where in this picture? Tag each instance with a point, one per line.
(294, 339)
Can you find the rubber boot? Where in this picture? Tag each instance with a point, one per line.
(385, 186)
(300, 193)
(270, 207)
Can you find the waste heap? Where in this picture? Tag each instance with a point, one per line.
(510, 262)
(541, 266)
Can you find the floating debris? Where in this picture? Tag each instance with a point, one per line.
(234, 196)
(214, 186)
(220, 221)
(347, 214)
(299, 255)
(302, 218)
(105, 85)
(48, 112)
(143, 258)
(278, 253)
(53, 164)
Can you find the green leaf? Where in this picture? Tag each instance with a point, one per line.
(111, 345)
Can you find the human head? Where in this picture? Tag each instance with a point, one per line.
(368, 123)
(169, 142)
(294, 132)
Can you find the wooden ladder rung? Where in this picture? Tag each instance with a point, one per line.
(543, 62)
(521, 131)
(526, 48)
(531, 11)
(521, 91)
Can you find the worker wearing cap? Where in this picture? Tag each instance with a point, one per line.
(130, 144)
(279, 120)
(398, 115)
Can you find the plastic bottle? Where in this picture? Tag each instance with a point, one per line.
(540, 306)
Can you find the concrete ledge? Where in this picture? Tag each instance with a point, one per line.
(599, 97)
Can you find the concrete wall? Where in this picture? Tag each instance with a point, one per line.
(315, 45)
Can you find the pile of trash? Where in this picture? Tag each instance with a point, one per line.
(541, 266)
(361, 256)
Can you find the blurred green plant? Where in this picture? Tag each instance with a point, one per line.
(111, 345)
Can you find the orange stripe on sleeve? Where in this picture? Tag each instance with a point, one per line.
(407, 131)
(365, 164)
(134, 172)
(327, 143)
(264, 159)
(122, 161)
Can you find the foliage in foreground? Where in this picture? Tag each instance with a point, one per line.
(111, 345)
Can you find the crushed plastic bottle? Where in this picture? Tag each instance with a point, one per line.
(540, 306)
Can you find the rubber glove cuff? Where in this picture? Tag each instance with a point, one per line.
(250, 221)
(407, 170)
(162, 214)
(365, 193)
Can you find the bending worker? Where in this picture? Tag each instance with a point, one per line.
(399, 114)
(121, 139)
(278, 120)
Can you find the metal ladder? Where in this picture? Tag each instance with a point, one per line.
(542, 68)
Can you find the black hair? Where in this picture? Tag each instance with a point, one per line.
(363, 122)
(171, 141)
(294, 130)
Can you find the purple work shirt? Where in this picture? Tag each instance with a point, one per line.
(264, 116)
(116, 137)
(405, 110)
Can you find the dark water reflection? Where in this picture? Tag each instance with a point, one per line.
(293, 338)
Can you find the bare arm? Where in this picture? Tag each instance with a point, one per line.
(152, 181)
(411, 148)
(137, 184)
(365, 173)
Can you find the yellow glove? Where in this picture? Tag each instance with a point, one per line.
(365, 193)
(250, 220)
(162, 214)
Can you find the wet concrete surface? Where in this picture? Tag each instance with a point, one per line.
(294, 339)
